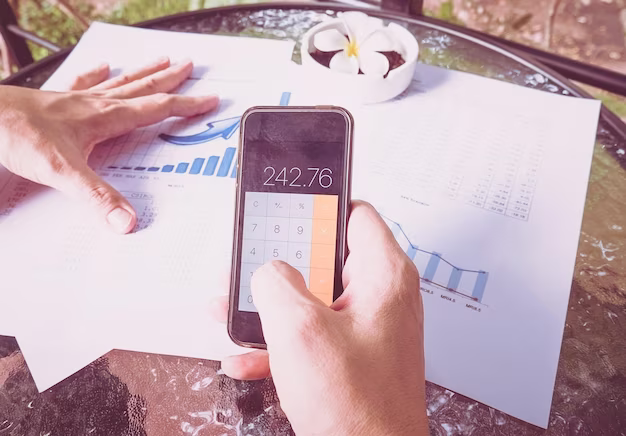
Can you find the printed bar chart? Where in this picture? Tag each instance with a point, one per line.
(219, 166)
(455, 278)
(479, 287)
(211, 164)
(437, 271)
(226, 161)
(226, 167)
(431, 268)
(196, 166)
(182, 167)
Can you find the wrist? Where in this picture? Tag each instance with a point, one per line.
(398, 422)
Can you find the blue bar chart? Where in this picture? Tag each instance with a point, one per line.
(437, 271)
(198, 166)
(152, 151)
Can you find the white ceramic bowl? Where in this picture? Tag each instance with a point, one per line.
(360, 87)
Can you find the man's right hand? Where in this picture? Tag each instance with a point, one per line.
(358, 366)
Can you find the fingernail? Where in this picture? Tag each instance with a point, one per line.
(185, 61)
(103, 66)
(119, 219)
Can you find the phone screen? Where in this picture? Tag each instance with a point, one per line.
(292, 201)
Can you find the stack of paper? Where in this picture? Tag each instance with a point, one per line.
(487, 184)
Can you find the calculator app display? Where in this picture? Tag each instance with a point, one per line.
(293, 172)
(300, 229)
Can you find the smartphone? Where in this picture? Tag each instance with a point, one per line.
(292, 204)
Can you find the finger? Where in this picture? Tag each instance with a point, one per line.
(376, 262)
(282, 298)
(127, 115)
(90, 78)
(219, 309)
(82, 183)
(162, 81)
(251, 366)
(115, 82)
(366, 227)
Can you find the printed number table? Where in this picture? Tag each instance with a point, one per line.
(137, 394)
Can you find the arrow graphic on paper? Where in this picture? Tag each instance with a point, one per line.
(216, 129)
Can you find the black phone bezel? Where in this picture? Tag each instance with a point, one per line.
(244, 328)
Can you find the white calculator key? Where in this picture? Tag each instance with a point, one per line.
(247, 270)
(278, 204)
(252, 251)
(245, 300)
(301, 206)
(306, 273)
(300, 230)
(277, 229)
(254, 227)
(275, 250)
(299, 254)
(256, 204)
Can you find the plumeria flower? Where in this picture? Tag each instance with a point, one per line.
(359, 46)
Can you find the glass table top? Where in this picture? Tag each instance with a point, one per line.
(136, 394)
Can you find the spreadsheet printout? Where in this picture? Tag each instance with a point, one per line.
(483, 185)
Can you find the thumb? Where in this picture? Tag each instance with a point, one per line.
(85, 185)
(282, 299)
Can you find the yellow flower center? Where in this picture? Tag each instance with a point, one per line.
(352, 49)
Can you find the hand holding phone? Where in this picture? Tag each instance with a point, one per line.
(293, 192)
(357, 367)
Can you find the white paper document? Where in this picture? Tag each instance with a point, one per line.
(215, 57)
(78, 290)
(482, 182)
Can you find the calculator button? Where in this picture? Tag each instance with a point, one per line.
(301, 206)
(322, 256)
(300, 230)
(246, 303)
(275, 250)
(324, 231)
(254, 227)
(322, 284)
(256, 204)
(278, 205)
(252, 251)
(247, 270)
(325, 207)
(299, 254)
(277, 229)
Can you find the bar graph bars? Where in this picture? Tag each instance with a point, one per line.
(440, 273)
(200, 165)
(218, 166)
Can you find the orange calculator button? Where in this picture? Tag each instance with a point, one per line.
(321, 284)
(325, 207)
(323, 256)
(324, 232)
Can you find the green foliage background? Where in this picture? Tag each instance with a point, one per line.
(46, 20)
(50, 23)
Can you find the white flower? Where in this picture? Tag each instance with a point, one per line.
(361, 43)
